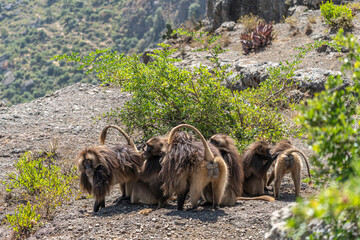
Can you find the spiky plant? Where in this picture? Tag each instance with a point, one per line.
(260, 37)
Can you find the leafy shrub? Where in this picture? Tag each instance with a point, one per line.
(260, 37)
(39, 180)
(332, 126)
(337, 16)
(164, 95)
(329, 121)
(24, 220)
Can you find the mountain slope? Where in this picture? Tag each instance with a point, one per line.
(31, 32)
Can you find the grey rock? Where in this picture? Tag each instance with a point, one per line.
(2, 104)
(277, 223)
(312, 79)
(228, 25)
(219, 11)
(9, 78)
(252, 73)
(27, 85)
(8, 7)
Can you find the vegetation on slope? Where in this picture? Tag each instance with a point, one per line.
(32, 31)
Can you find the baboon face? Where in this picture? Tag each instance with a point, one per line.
(88, 162)
(155, 146)
(263, 148)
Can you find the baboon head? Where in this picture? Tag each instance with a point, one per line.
(282, 146)
(222, 141)
(88, 162)
(262, 148)
(156, 146)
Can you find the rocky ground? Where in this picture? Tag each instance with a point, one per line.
(67, 117)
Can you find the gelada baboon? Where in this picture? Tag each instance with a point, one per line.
(102, 167)
(288, 161)
(148, 188)
(189, 166)
(257, 161)
(234, 189)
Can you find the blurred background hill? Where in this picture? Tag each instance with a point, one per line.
(33, 31)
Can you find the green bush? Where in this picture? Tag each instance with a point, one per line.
(41, 181)
(332, 126)
(329, 121)
(164, 95)
(24, 220)
(337, 16)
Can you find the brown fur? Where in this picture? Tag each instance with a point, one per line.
(226, 145)
(288, 161)
(189, 166)
(257, 161)
(109, 166)
(234, 189)
(148, 188)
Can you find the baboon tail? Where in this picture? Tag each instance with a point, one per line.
(104, 132)
(219, 181)
(263, 197)
(209, 156)
(291, 150)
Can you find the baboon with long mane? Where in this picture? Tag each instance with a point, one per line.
(257, 160)
(189, 166)
(288, 161)
(234, 189)
(102, 167)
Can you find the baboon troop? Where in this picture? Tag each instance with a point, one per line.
(180, 165)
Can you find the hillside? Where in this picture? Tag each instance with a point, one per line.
(67, 117)
(32, 32)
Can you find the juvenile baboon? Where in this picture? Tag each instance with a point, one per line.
(148, 188)
(257, 161)
(288, 161)
(189, 166)
(234, 189)
(102, 167)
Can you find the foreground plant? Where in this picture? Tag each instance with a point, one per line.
(337, 16)
(332, 125)
(260, 37)
(40, 180)
(24, 220)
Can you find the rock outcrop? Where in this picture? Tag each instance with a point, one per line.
(219, 11)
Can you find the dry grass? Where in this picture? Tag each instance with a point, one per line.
(291, 21)
(225, 41)
(250, 22)
(312, 19)
(355, 7)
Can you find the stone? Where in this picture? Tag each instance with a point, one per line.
(229, 26)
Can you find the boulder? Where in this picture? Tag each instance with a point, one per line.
(219, 11)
